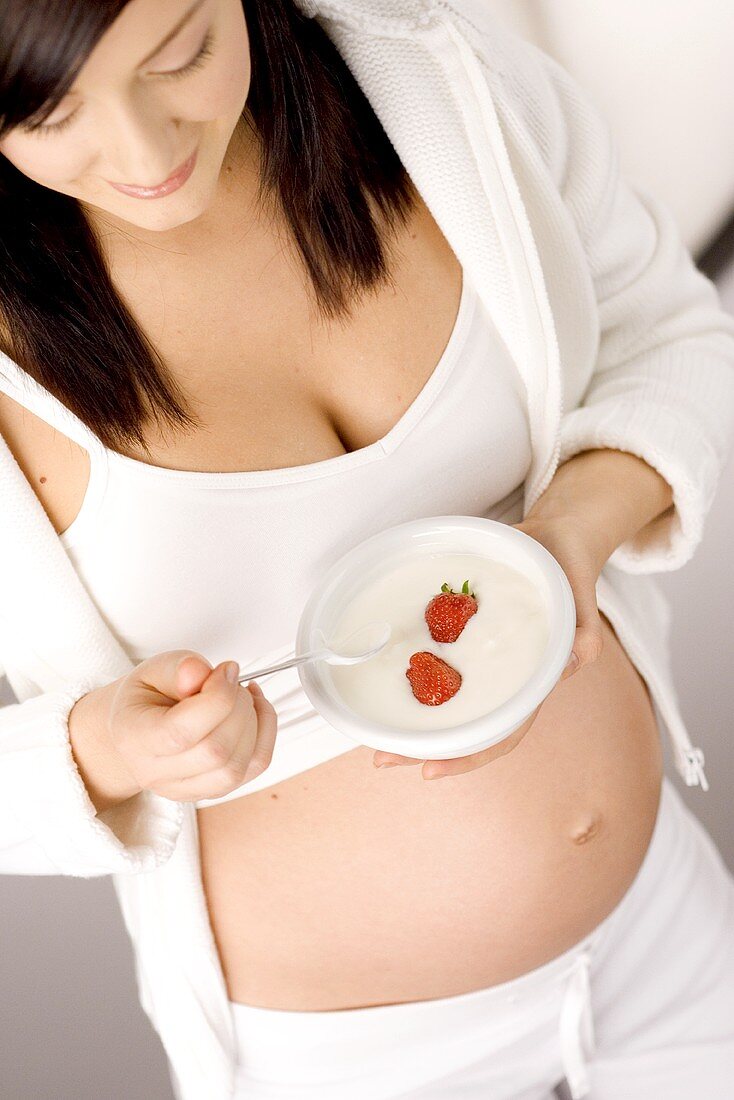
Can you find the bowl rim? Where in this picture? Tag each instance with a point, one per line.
(484, 729)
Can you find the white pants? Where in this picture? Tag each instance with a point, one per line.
(642, 1009)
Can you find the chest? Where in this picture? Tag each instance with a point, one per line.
(456, 441)
(271, 382)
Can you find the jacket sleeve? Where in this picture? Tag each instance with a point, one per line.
(48, 823)
(663, 383)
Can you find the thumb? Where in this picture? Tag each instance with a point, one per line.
(588, 641)
(197, 714)
(189, 674)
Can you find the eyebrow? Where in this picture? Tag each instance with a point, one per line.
(172, 34)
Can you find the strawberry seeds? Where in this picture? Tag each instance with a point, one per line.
(433, 680)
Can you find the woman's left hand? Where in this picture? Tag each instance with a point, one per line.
(573, 548)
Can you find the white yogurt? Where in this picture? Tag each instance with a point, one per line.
(496, 653)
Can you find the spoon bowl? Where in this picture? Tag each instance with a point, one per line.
(358, 645)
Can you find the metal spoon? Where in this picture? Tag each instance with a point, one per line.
(360, 645)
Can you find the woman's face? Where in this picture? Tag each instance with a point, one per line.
(145, 100)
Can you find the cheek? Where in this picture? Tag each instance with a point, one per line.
(226, 90)
(51, 163)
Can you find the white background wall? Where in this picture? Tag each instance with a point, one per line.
(661, 72)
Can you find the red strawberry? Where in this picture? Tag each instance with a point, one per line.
(432, 680)
(448, 613)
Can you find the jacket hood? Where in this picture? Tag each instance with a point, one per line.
(375, 15)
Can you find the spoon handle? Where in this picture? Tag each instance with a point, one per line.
(301, 659)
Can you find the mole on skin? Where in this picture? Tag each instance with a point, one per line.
(42, 480)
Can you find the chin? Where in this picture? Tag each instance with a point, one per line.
(159, 215)
(160, 222)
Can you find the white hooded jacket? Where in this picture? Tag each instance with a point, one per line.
(620, 342)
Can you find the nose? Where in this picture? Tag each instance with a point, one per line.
(139, 144)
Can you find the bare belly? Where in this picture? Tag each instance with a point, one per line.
(347, 886)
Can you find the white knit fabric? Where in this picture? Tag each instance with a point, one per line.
(619, 342)
(48, 823)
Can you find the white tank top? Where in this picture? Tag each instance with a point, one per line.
(222, 563)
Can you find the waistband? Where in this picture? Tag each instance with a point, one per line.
(560, 986)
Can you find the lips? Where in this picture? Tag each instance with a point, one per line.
(173, 182)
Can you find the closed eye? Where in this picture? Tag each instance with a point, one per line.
(191, 66)
(196, 63)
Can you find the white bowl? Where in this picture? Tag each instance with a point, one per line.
(370, 559)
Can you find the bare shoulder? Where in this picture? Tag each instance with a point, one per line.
(16, 427)
(8, 407)
(56, 468)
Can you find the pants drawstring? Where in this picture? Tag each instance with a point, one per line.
(576, 1027)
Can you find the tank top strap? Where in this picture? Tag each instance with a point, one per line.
(19, 385)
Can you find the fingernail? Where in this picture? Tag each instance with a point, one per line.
(388, 764)
(433, 775)
(231, 671)
(573, 663)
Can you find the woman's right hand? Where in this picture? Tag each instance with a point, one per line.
(184, 731)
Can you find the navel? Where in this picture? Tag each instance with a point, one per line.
(586, 830)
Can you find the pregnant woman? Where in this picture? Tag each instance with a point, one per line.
(274, 277)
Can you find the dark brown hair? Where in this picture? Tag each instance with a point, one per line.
(323, 154)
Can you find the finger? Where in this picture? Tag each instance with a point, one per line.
(588, 641)
(193, 718)
(439, 769)
(589, 635)
(389, 759)
(267, 728)
(190, 675)
(459, 765)
(571, 666)
(174, 674)
(243, 757)
(231, 775)
(228, 745)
